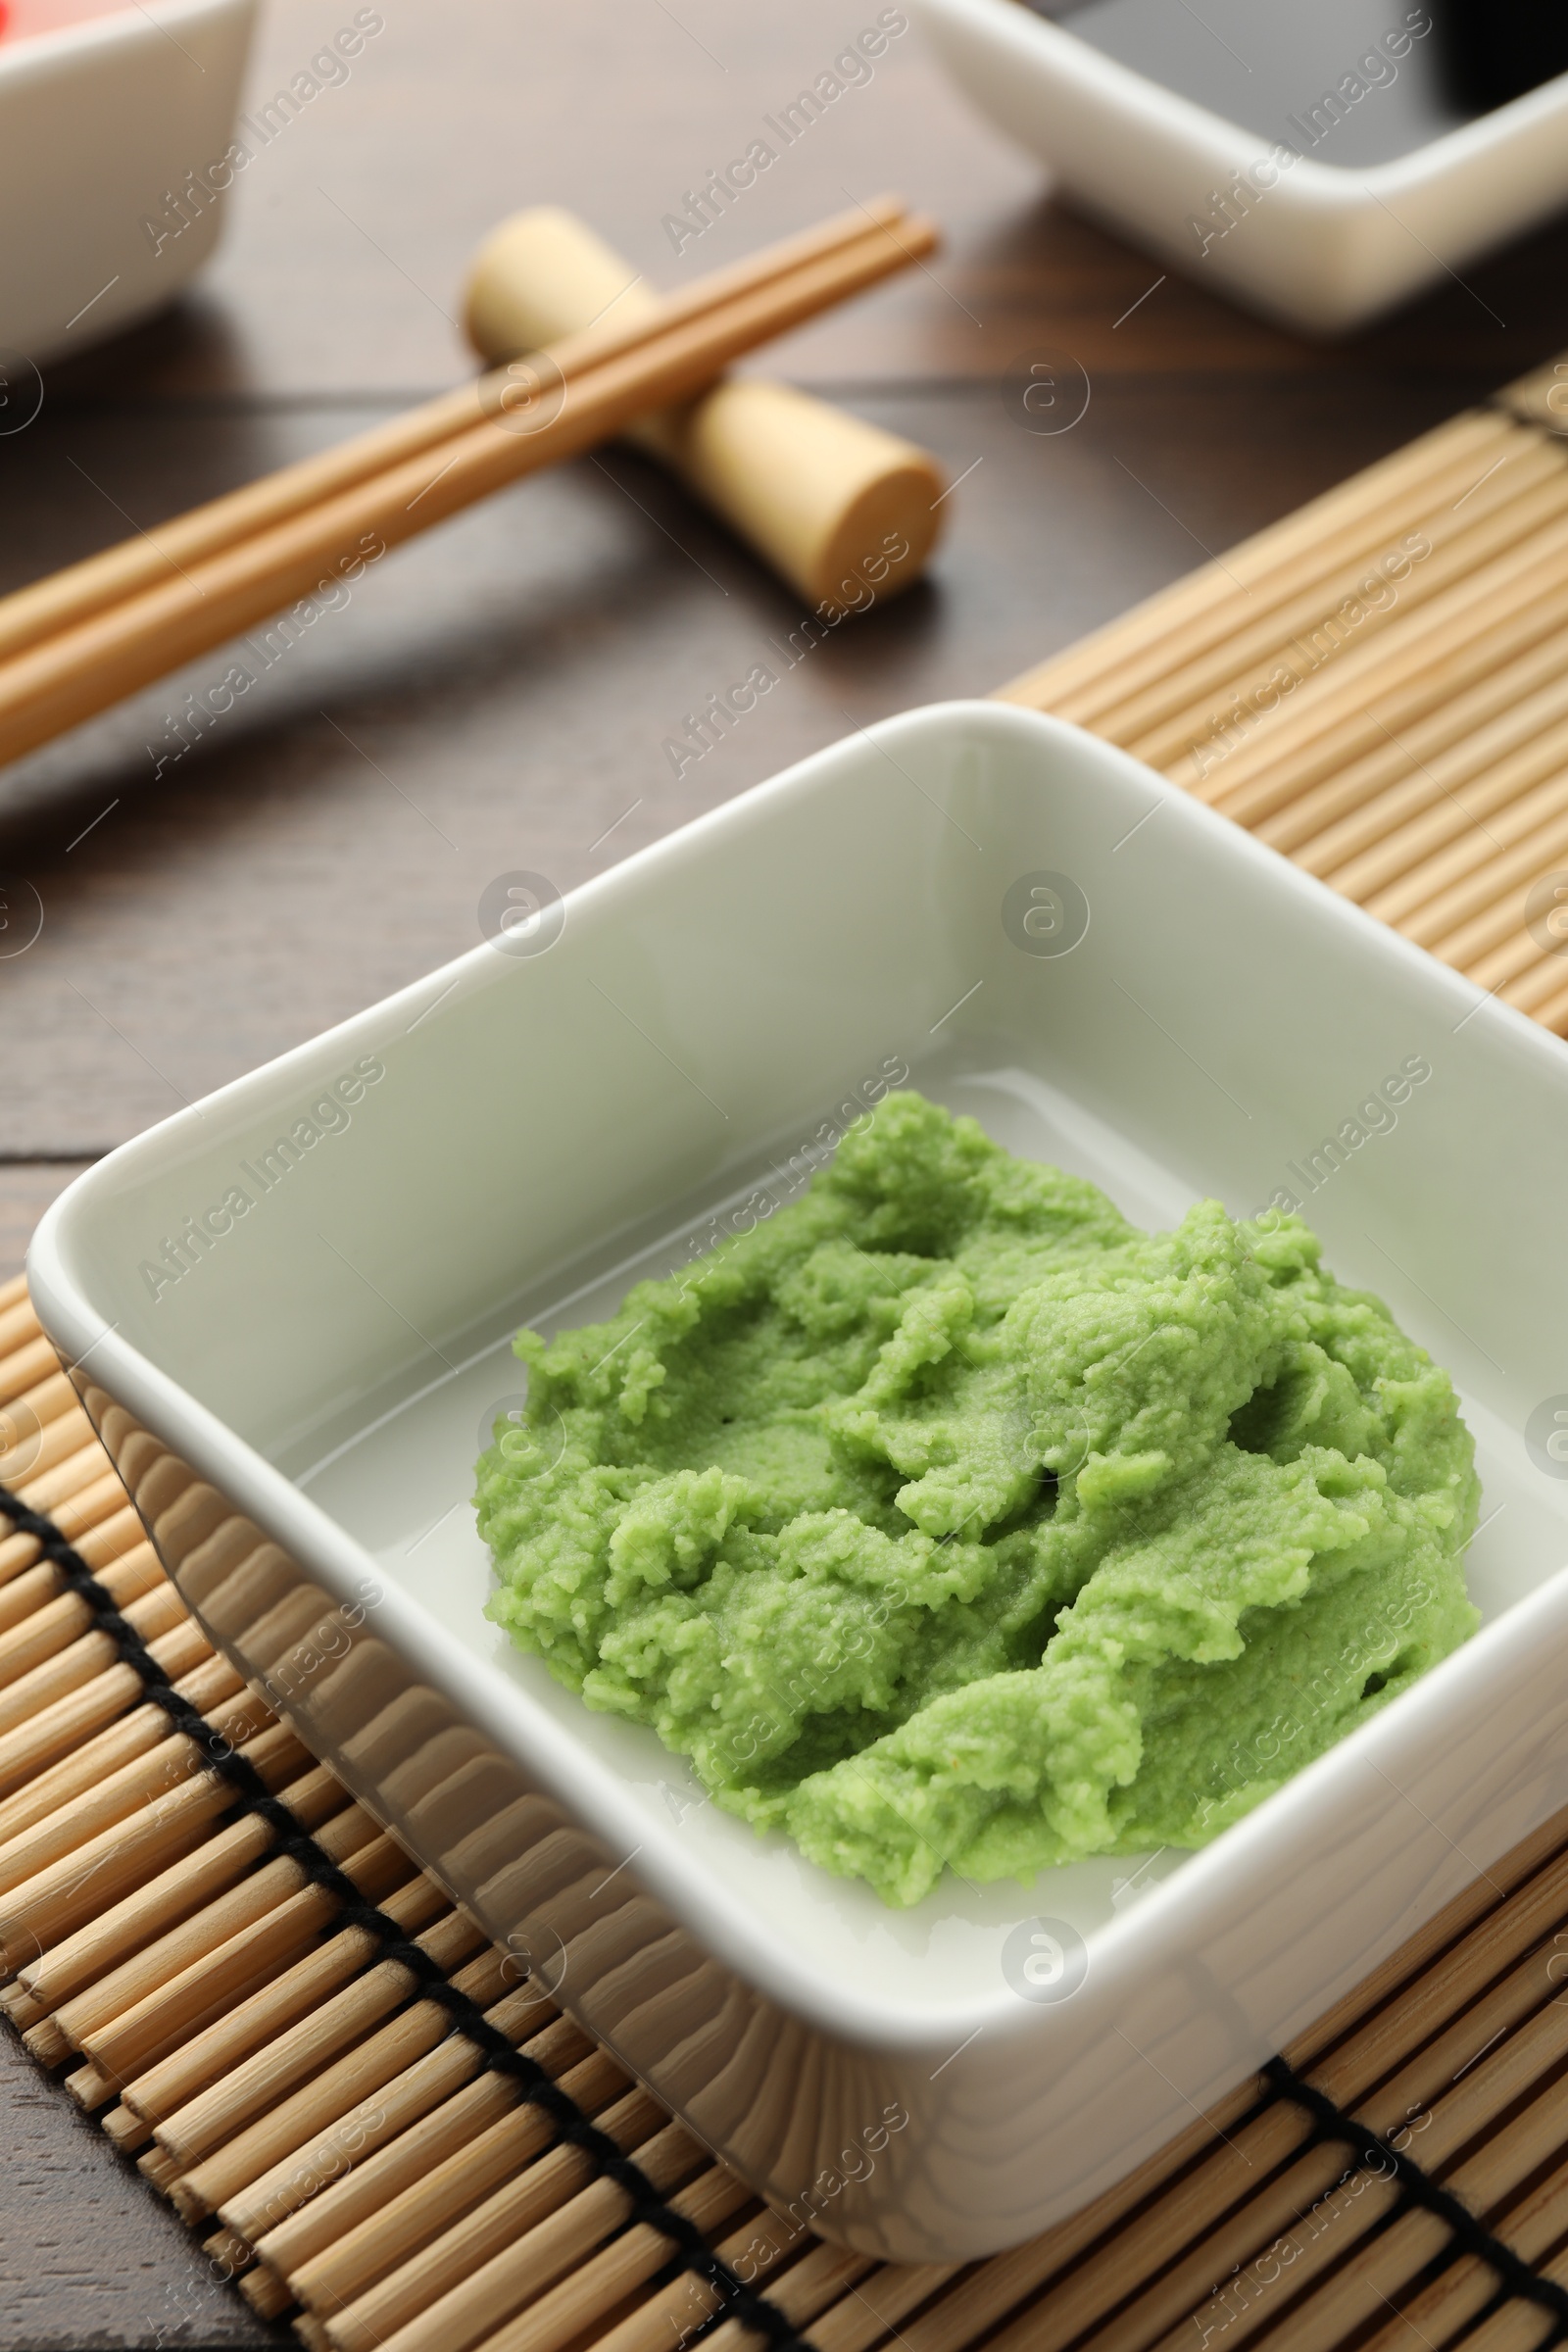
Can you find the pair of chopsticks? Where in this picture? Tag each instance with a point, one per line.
(75, 643)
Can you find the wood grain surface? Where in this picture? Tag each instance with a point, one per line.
(88, 2256)
(501, 693)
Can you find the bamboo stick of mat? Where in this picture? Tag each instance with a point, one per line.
(366, 2224)
(73, 1668)
(1552, 1011)
(1480, 2094)
(1091, 677)
(1433, 802)
(208, 1866)
(478, 2271)
(1520, 972)
(1437, 746)
(73, 1889)
(372, 2123)
(799, 2283)
(331, 2083)
(1359, 2292)
(159, 2004)
(95, 1763)
(585, 392)
(1274, 582)
(218, 1989)
(116, 1796)
(560, 2315)
(53, 1431)
(1458, 915)
(1528, 483)
(1313, 728)
(369, 1990)
(54, 1732)
(460, 2167)
(1139, 646)
(253, 2048)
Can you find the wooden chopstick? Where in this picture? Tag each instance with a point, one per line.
(63, 600)
(83, 668)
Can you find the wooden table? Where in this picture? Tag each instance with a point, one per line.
(499, 695)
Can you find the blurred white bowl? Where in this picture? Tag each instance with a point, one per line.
(1316, 246)
(110, 126)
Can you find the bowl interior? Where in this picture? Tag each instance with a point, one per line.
(1286, 74)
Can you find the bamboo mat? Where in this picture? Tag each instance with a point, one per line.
(1378, 687)
(380, 2131)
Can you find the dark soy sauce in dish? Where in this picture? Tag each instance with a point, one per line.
(1349, 83)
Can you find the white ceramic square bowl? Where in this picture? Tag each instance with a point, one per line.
(521, 1134)
(107, 125)
(1316, 245)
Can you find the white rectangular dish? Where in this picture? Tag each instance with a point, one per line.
(1315, 243)
(305, 1286)
(114, 129)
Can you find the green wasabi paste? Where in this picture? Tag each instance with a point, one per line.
(945, 1518)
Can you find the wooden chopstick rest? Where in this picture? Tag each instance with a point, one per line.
(826, 499)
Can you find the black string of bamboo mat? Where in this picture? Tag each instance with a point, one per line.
(570, 2127)
(1383, 2159)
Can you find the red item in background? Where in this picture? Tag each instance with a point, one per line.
(20, 18)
